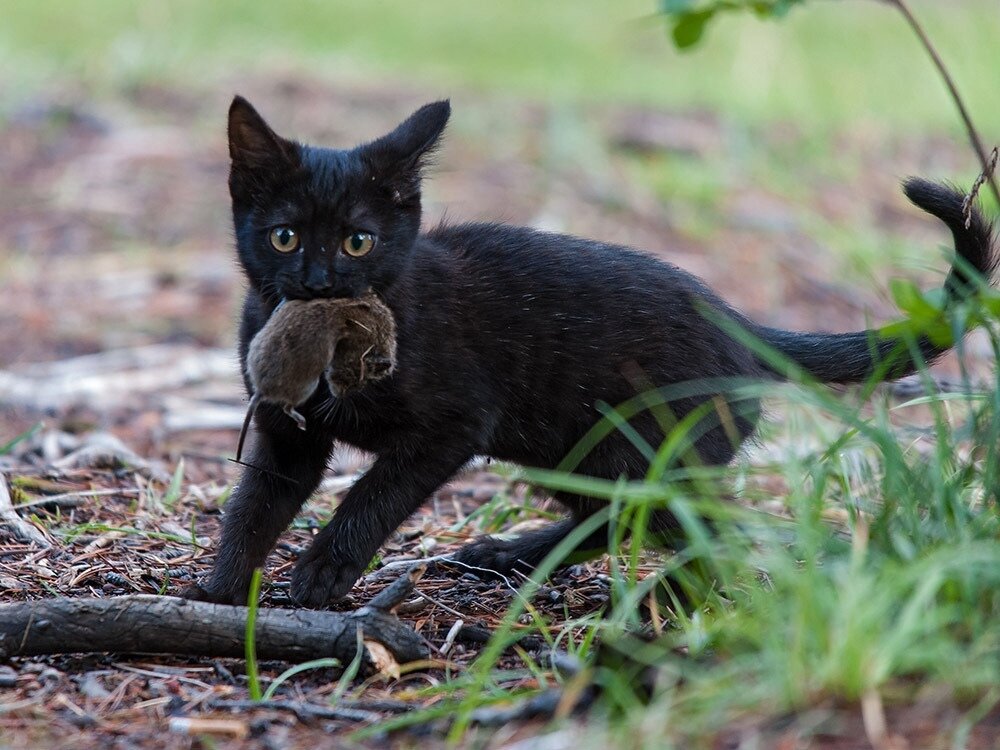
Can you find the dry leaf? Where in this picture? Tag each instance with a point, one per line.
(383, 659)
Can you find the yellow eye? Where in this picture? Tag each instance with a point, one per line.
(284, 239)
(358, 244)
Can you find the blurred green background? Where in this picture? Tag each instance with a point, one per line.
(771, 151)
(827, 63)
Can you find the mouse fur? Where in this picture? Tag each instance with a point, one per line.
(346, 341)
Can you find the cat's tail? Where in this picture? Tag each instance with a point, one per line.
(855, 357)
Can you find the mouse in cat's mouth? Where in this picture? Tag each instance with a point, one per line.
(349, 342)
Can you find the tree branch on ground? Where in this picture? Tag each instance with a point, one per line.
(169, 625)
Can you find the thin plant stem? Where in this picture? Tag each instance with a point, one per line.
(249, 637)
(977, 142)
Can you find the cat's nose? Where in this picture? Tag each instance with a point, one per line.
(318, 288)
(317, 281)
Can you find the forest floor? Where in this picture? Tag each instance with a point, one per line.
(120, 294)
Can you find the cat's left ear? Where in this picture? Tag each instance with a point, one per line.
(257, 153)
(397, 159)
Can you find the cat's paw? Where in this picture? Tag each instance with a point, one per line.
(490, 557)
(198, 593)
(322, 578)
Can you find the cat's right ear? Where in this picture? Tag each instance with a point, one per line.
(397, 159)
(253, 146)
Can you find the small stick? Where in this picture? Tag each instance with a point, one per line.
(303, 711)
(389, 567)
(449, 640)
(394, 594)
(983, 176)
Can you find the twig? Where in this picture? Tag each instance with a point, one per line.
(393, 595)
(441, 605)
(303, 711)
(70, 499)
(377, 575)
(449, 640)
(977, 142)
(983, 176)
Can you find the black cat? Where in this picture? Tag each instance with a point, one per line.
(507, 338)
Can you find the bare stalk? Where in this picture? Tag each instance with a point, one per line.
(977, 142)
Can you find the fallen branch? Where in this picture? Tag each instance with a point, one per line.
(169, 625)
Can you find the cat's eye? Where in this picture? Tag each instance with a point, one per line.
(284, 239)
(358, 244)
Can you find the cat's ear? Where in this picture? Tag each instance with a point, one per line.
(396, 159)
(253, 146)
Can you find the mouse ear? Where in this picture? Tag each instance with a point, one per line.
(255, 150)
(397, 159)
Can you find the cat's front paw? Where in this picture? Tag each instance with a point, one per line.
(322, 578)
(207, 593)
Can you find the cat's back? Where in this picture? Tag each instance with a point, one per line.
(507, 260)
(551, 322)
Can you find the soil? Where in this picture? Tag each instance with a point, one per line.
(120, 295)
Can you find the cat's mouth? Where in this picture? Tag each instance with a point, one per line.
(335, 291)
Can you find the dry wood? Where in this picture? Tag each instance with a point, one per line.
(169, 625)
(103, 381)
(304, 711)
(103, 450)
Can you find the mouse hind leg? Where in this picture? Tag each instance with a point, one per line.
(296, 415)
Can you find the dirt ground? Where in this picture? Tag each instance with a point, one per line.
(120, 294)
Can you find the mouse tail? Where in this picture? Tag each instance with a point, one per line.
(251, 409)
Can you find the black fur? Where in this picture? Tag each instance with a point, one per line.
(507, 339)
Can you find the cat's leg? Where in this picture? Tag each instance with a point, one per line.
(527, 550)
(490, 555)
(615, 458)
(389, 492)
(289, 466)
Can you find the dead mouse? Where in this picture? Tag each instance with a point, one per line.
(348, 341)
(366, 349)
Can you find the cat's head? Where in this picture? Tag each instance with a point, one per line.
(317, 222)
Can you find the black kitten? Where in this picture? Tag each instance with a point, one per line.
(507, 339)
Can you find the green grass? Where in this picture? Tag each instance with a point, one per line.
(826, 63)
(250, 636)
(899, 598)
(793, 612)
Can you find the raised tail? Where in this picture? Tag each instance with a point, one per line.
(855, 357)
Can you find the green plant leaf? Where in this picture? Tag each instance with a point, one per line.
(12, 443)
(323, 663)
(690, 28)
(675, 7)
(910, 300)
(173, 493)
